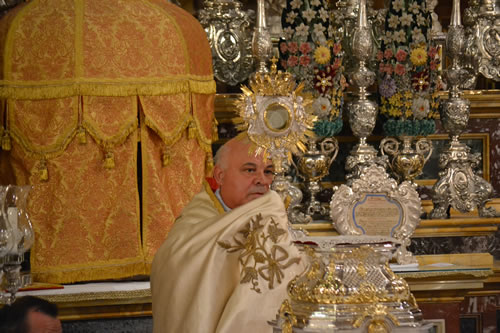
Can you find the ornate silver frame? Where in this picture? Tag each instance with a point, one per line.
(402, 202)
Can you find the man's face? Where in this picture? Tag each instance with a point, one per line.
(246, 176)
(42, 323)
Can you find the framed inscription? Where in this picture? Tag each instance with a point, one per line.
(376, 205)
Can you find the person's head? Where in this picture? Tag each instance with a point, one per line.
(30, 314)
(241, 175)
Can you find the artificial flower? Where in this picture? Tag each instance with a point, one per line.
(387, 87)
(291, 16)
(401, 55)
(305, 60)
(393, 21)
(406, 19)
(399, 36)
(293, 47)
(337, 48)
(420, 81)
(380, 55)
(316, 3)
(309, 14)
(296, 4)
(305, 48)
(432, 52)
(418, 56)
(397, 5)
(323, 14)
(400, 69)
(417, 36)
(322, 55)
(302, 30)
(420, 107)
(322, 106)
(292, 61)
(389, 69)
(414, 7)
(433, 65)
(388, 54)
(421, 20)
(323, 80)
(288, 32)
(319, 30)
(283, 47)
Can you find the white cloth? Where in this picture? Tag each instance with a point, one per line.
(206, 275)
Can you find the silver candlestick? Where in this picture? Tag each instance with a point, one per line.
(458, 186)
(262, 45)
(362, 112)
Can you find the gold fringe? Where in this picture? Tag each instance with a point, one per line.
(80, 135)
(116, 140)
(148, 87)
(6, 141)
(109, 160)
(175, 135)
(209, 165)
(87, 272)
(165, 157)
(191, 130)
(215, 130)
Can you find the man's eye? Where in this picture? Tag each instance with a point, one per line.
(249, 170)
(269, 172)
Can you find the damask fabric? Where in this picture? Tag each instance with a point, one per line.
(85, 84)
(224, 272)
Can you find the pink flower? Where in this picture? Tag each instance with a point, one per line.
(293, 47)
(433, 65)
(292, 61)
(432, 52)
(283, 47)
(388, 69)
(305, 48)
(284, 64)
(305, 60)
(380, 55)
(381, 67)
(337, 64)
(400, 70)
(337, 48)
(388, 54)
(401, 55)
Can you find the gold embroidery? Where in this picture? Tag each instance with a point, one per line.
(261, 255)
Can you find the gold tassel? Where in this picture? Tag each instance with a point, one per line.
(215, 131)
(109, 161)
(6, 143)
(43, 171)
(209, 164)
(165, 157)
(80, 135)
(191, 130)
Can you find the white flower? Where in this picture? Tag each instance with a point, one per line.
(406, 19)
(399, 36)
(315, 3)
(420, 107)
(323, 14)
(288, 32)
(393, 21)
(322, 107)
(309, 14)
(414, 8)
(319, 29)
(387, 38)
(418, 36)
(296, 4)
(291, 16)
(397, 5)
(420, 20)
(302, 30)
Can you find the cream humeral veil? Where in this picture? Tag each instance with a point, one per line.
(224, 272)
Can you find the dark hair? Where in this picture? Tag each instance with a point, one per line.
(13, 317)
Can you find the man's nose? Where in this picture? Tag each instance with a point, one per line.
(262, 179)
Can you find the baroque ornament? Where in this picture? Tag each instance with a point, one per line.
(273, 111)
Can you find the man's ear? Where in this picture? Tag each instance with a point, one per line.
(218, 174)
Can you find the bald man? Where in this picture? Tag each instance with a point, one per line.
(228, 258)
